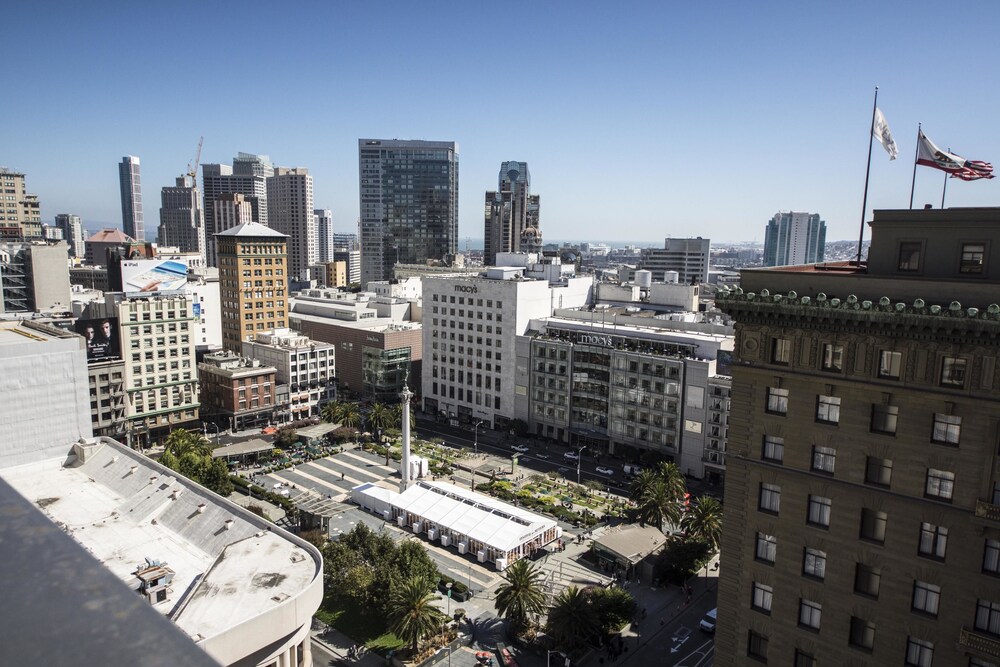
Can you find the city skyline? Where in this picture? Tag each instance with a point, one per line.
(645, 100)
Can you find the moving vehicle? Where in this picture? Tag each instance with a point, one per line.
(542, 455)
(571, 456)
(708, 622)
(631, 470)
(521, 448)
(605, 471)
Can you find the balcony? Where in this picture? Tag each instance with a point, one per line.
(981, 643)
(985, 510)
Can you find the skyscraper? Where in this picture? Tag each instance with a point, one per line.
(687, 257)
(181, 221)
(73, 232)
(130, 183)
(409, 203)
(794, 238)
(862, 486)
(231, 209)
(21, 218)
(510, 211)
(248, 177)
(253, 282)
(324, 234)
(290, 211)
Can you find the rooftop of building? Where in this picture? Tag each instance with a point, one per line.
(632, 543)
(20, 332)
(229, 565)
(253, 229)
(373, 324)
(656, 329)
(110, 235)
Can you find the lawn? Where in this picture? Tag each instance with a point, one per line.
(362, 624)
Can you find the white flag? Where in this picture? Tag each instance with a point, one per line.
(881, 131)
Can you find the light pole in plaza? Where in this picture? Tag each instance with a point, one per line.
(475, 442)
(579, 459)
(448, 586)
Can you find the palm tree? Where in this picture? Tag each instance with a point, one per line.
(520, 596)
(703, 521)
(412, 614)
(182, 441)
(349, 415)
(331, 412)
(379, 416)
(572, 621)
(659, 495)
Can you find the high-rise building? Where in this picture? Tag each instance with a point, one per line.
(34, 277)
(325, 244)
(290, 211)
(794, 238)
(862, 491)
(253, 282)
(130, 183)
(348, 241)
(21, 216)
(688, 258)
(510, 211)
(305, 367)
(73, 233)
(409, 203)
(352, 261)
(231, 210)
(248, 177)
(182, 224)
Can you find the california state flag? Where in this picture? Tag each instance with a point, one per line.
(930, 155)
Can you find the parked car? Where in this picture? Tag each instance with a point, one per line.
(521, 448)
(571, 456)
(605, 471)
(708, 622)
(542, 455)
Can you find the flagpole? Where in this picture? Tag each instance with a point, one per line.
(916, 154)
(868, 169)
(944, 187)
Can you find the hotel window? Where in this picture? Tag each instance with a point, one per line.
(762, 595)
(884, 418)
(873, 525)
(781, 351)
(947, 429)
(988, 617)
(933, 541)
(824, 459)
(991, 557)
(919, 653)
(909, 255)
(940, 484)
(878, 471)
(767, 548)
(889, 364)
(819, 511)
(862, 633)
(926, 597)
(803, 659)
(777, 401)
(814, 563)
(833, 357)
(770, 498)
(774, 449)
(973, 255)
(828, 409)
(953, 372)
(810, 614)
(757, 646)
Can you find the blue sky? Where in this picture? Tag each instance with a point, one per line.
(638, 120)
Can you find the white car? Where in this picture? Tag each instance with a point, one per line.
(571, 456)
(708, 622)
(524, 449)
(605, 471)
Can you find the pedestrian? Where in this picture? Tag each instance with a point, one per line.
(341, 475)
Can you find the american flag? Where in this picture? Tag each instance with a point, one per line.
(973, 170)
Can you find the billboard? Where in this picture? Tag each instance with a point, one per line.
(101, 336)
(153, 275)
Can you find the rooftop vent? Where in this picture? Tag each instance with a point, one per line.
(201, 508)
(229, 524)
(132, 470)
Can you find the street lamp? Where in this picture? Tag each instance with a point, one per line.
(579, 459)
(476, 436)
(448, 586)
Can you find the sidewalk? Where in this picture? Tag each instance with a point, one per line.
(339, 644)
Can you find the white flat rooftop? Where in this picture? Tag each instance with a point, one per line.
(123, 509)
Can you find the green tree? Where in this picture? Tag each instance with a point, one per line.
(287, 437)
(659, 495)
(411, 613)
(613, 608)
(520, 596)
(410, 559)
(331, 412)
(215, 477)
(181, 441)
(681, 560)
(572, 621)
(379, 416)
(703, 521)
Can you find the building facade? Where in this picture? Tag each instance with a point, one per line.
(862, 458)
(237, 393)
(34, 277)
(307, 367)
(409, 203)
(130, 184)
(248, 177)
(323, 220)
(290, 211)
(352, 260)
(20, 212)
(689, 258)
(510, 211)
(73, 233)
(182, 224)
(253, 282)
(794, 238)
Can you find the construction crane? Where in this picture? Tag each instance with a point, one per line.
(192, 172)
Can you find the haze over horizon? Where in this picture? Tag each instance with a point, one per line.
(641, 121)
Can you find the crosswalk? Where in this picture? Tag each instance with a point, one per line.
(332, 477)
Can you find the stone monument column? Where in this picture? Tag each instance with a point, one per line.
(404, 463)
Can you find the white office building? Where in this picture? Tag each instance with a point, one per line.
(305, 365)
